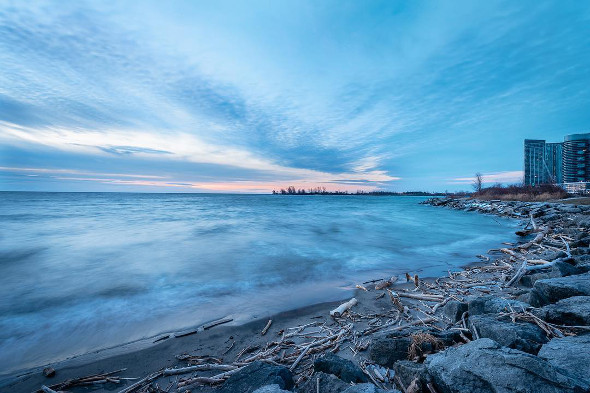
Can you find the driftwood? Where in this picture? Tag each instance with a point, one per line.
(429, 298)
(142, 382)
(386, 283)
(87, 380)
(198, 367)
(266, 327)
(216, 323)
(338, 311)
(519, 273)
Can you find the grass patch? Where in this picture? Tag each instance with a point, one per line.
(542, 193)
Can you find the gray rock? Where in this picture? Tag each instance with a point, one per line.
(328, 384)
(554, 289)
(530, 279)
(571, 311)
(454, 310)
(484, 366)
(271, 389)
(491, 304)
(582, 259)
(408, 371)
(257, 375)
(549, 255)
(570, 354)
(387, 349)
(367, 388)
(562, 268)
(565, 267)
(526, 337)
(340, 367)
(580, 251)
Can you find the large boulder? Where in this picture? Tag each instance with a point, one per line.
(340, 367)
(271, 389)
(367, 388)
(387, 349)
(257, 375)
(454, 310)
(491, 304)
(570, 354)
(565, 267)
(554, 289)
(525, 337)
(328, 384)
(484, 366)
(571, 311)
(408, 371)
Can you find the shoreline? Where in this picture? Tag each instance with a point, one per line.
(371, 313)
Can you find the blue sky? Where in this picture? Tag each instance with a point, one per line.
(246, 96)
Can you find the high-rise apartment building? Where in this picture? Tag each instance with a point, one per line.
(576, 158)
(535, 171)
(554, 162)
(565, 162)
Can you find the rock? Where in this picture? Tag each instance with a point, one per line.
(570, 354)
(408, 371)
(328, 384)
(554, 289)
(271, 389)
(367, 388)
(49, 372)
(484, 366)
(342, 368)
(387, 349)
(526, 337)
(571, 311)
(565, 267)
(493, 305)
(581, 251)
(583, 267)
(257, 375)
(549, 255)
(561, 268)
(454, 310)
(530, 279)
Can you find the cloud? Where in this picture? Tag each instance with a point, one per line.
(389, 90)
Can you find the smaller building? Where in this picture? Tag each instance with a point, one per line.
(535, 172)
(553, 162)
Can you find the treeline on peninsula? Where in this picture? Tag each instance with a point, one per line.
(291, 190)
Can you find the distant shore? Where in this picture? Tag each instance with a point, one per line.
(402, 324)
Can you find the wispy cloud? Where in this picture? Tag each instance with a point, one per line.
(416, 90)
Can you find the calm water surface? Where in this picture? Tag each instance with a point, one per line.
(85, 271)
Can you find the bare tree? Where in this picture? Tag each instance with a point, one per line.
(478, 182)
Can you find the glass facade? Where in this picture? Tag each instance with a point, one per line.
(576, 158)
(554, 162)
(560, 163)
(534, 158)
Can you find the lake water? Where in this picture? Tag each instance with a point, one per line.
(85, 271)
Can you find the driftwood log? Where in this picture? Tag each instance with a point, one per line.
(338, 311)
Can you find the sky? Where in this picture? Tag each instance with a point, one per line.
(250, 96)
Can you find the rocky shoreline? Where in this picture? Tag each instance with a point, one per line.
(518, 321)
